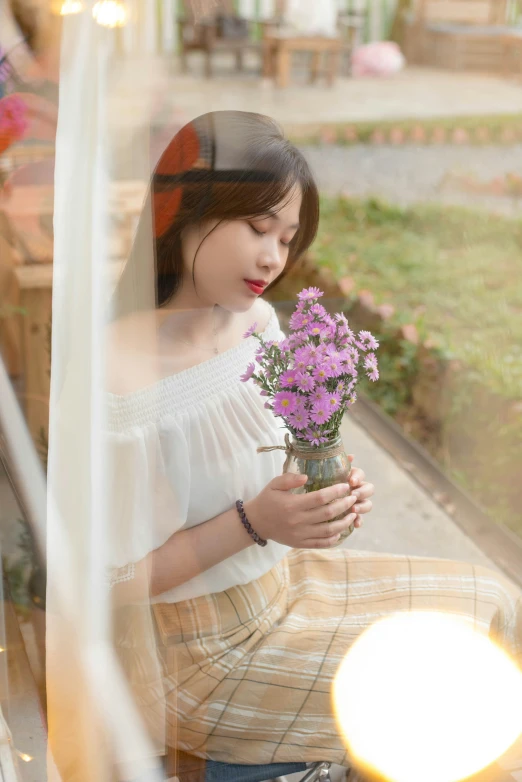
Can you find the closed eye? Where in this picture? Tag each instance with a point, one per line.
(258, 233)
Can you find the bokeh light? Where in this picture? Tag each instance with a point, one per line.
(422, 695)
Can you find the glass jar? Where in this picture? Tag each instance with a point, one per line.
(325, 465)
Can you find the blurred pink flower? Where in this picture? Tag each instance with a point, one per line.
(379, 58)
(378, 137)
(350, 134)
(13, 120)
(460, 136)
(397, 136)
(418, 134)
(439, 135)
(386, 311)
(328, 136)
(410, 333)
(347, 284)
(508, 135)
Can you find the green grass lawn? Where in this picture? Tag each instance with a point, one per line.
(462, 268)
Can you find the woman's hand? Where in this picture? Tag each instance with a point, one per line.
(298, 520)
(362, 490)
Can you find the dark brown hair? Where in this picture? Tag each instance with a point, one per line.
(225, 165)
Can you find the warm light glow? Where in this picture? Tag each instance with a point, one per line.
(25, 757)
(71, 7)
(2, 649)
(423, 696)
(110, 13)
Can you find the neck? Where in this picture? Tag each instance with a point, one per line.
(199, 326)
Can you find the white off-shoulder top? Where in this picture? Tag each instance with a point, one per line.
(183, 451)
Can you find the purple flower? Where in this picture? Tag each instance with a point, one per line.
(300, 365)
(333, 352)
(316, 329)
(320, 413)
(353, 352)
(285, 402)
(299, 320)
(248, 373)
(370, 364)
(299, 420)
(285, 346)
(307, 354)
(333, 368)
(321, 373)
(250, 331)
(369, 340)
(318, 310)
(370, 361)
(329, 320)
(305, 382)
(345, 333)
(319, 395)
(297, 338)
(315, 437)
(288, 378)
(268, 406)
(309, 293)
(334, 402)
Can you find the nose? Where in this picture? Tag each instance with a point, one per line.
(272, 257)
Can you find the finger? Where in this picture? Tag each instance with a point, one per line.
(328, 530)
(363, 507)
(317, 499)
(321, 542)
(332, 510)
(288, 480)
(357, 476)
(350, 456)
(335, 527)
(364, 492)
(358, 522)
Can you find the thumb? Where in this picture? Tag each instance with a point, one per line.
(289, 480)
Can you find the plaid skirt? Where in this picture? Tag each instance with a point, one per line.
(248, 672)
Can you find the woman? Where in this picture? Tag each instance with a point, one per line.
(251, 635)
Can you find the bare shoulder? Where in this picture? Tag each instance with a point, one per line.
(260, 313)
(129, 341)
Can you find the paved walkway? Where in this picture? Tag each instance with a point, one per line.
(409, 174)
(413, 93)
(405, 519)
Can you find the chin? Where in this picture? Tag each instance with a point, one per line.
(239, 306)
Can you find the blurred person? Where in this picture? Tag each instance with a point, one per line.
(251, 636)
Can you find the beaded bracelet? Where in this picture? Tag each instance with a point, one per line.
(246, 524)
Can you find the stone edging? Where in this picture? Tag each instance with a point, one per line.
(479, 131)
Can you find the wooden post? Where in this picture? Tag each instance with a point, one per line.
(35, 283)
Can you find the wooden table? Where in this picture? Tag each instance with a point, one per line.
(35, 282)
(28, 245)
(30, 212)
(278, 49)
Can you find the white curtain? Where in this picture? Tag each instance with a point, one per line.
(95, 729)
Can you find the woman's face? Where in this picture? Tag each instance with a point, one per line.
(236, 252)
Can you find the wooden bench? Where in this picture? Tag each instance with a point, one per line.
(279, 48)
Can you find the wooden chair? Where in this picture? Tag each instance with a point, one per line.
(223, 30)
(459, 34)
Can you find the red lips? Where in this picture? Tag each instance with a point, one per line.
(256, 286)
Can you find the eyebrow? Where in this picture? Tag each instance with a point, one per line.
(271, 213)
